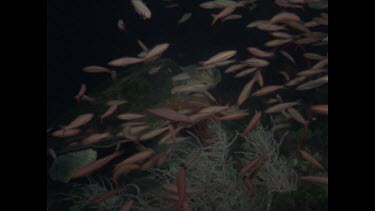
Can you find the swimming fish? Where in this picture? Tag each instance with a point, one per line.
(288, 56)
(143, 46)
(116, 102)
(280, 107)
(87, 98)
(110, 111)
(95, 69)
(315, 179)
(79, 121)
(320, 109)
(249, 186)
(121, 25)
(81, 92)
(141, 9)
(136, 158)
(95, 165)
(125, 61)
(232, 17)
(222, 56)
(190, 88)
(123, 169)
(185, 17)
(297, 25)
(65, 133)
(267, 26)
(284, 17)
(245, 72)
(297, 116)
(224, 13)
(152, 134)
(245, 92)
(266, 90)
(94, 138)
(154, 70)
(156, 51)
(277, 42)
(234, 68)
(282, 35)
(311, 159)
(252, 123)
(127, 205)
(180, 183)
(256, 23)
(259, 78)
(130, 116)
(259, 53)
(169, 114)
(313, 84)
(255, 62)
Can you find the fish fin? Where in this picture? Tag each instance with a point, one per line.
(214, 19)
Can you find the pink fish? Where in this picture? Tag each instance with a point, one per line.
(81, 92)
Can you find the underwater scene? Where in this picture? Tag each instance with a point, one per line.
(195, 105)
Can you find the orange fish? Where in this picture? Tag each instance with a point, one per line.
(123, 169)
(245, 92)
(311, 159)
(315, 179)
(169, 114)
(110, 111)
(252, 122)
(320, 109)
(180, 182)
(249, 186)
(66, 133)
(79, 121)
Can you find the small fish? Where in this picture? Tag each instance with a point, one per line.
(156, 51)
(280, 126)
(311, 159)
(321, 21)
(79, 121)
(311, 24)
(150, 163)
(66, 133)
(121, 25)
(169, 114)
(282, 35)
(130, 116)
(94, 166)
(95, 69)
(252, 123)
(136, 158)
(180, 183)
(251, 165)
(81, 92)
(259, 53)
(294, 114)
(320, 109)
(319, 35)
(222, 56)
(125, 61)
(103, 197)
(288, 56)
(152, 134)
(190, 88)
(109, 111)
(313, 56)
(259, 78)
(143, 46)
(94, 138)
(245, 72)
(272, 101)
(315, 179)
(87, 98)
(233, 116)
(154, 70)
(266, 90)
(123, 169)
(280, 107)
(213, 109)
(277, 42)
(181, 77)
(297, 25)
(313, 84)
(209, 5)
(286, 76)
(249, 186)
(127, 205)
(245, 92)
(286, 4)
(269, 27)
(255, 62)
(141, 9)
(185, 17)
(296, 81)
(311, 72)
(224, 13)
(232, 17)
(306, 40)
(320, 64)
(52, 153)
(172, 5)
(256, 23)
(116, 102)
(138, 129)
(284, 17)
(234, 68)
